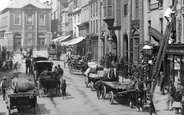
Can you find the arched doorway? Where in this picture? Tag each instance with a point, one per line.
(17, 41)
(41, 41)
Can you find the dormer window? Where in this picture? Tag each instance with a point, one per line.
(17, 19)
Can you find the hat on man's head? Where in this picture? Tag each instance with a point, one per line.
(4, 78)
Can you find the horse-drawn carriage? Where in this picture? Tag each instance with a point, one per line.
(76, 63)
(47, 80)
(54, 51)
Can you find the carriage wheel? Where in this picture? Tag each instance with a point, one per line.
(98, 93)
(111, 97)
(92, 86)
(104, 92)
(86, 81)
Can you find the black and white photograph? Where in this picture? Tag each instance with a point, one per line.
(91, 57)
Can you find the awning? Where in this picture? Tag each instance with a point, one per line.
(64, 38)
(61, 38)
(73, 41)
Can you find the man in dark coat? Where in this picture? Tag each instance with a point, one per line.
(28, 64)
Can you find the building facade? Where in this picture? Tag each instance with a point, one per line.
(26, 24)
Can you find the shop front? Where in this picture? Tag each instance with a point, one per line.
(174, 64)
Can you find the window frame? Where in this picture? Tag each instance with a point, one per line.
(44, 22)
(125, 9)
(19, 17)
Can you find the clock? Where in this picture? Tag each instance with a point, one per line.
(29, 19)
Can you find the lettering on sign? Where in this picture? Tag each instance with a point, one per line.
(154, 6)
(175, 51)
(155, 33)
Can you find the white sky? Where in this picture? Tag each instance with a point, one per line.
(3, 4)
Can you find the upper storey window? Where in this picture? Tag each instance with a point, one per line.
(42, 20)
(108, 8)
(17, 19)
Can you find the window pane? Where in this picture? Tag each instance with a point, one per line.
(109, 2)
(42, 20)
(109, 10)
(17, 19)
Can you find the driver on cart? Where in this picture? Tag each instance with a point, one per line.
(45, 72)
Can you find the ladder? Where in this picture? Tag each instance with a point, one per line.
(161, 52)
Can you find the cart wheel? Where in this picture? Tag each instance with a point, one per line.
(104, 92)
(111, 97)
(92, 86)
(98, 93)
(86, 81)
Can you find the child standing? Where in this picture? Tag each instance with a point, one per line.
(63, 88)
(177, 101)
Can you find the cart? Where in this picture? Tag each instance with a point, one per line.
(48, 82)
(40, 66)
(93, 77)
(76, 65)
(113, 89)
(20, 99)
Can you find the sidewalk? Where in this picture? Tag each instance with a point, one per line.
(160, 103)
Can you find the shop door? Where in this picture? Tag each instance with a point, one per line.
(41, 44)
(17, 44)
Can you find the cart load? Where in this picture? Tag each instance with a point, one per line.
(23, 84)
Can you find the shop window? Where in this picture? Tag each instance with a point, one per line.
(42, 20)
(17, 19)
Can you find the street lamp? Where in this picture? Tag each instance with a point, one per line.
(148, 49)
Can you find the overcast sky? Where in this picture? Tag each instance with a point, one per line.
(3, 3)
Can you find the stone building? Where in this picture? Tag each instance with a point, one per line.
(26, 23)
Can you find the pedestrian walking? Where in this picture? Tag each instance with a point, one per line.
(21, 50)
(60, 70)
(28, 64)
(63, 88)
(162, 82)
(177, 101)
(3, 86)
(11, 64)
(15, 66)
(171, 92)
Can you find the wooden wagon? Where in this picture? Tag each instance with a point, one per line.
(17, 100)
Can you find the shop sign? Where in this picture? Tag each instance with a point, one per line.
(175, 51)
(155, 33)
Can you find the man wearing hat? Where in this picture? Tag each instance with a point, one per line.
(3, 86)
